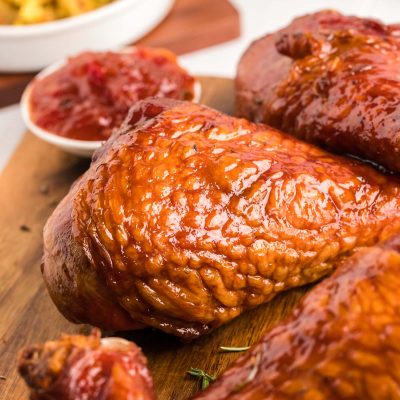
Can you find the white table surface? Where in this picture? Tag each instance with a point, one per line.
(257, 18)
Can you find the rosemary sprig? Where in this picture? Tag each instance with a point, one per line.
(226, 349)
(205, 378)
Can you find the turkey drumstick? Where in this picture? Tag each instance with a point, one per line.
(187, 217)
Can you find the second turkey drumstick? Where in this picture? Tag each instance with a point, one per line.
(341, 342)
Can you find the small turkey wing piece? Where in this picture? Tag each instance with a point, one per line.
(86, 367)
(341, 342)
(188, 217)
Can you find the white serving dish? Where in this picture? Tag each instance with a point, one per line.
(83, 148)
(33, 47)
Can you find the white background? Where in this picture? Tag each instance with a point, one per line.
(257, 18)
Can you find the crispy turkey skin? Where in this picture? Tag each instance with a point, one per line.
(331, 80)
(187, 217)
(341, 342)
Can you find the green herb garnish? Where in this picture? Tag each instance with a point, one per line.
(205, 378)
(233, 349)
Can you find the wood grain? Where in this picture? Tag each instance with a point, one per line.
(32, 184)
(191, 25)
(194, 25)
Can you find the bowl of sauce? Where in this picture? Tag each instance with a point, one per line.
(77, 104)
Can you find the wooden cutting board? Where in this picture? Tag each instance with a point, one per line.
(191, 25)
(33, 183)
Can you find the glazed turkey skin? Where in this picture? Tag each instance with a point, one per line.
(187, 217)
(329, 79)
(341, 342)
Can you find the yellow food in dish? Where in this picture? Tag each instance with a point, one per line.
(24, 12)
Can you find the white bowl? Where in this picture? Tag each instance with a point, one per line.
(74, 146)
(32, 47)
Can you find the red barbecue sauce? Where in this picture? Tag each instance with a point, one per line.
(91, 95)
